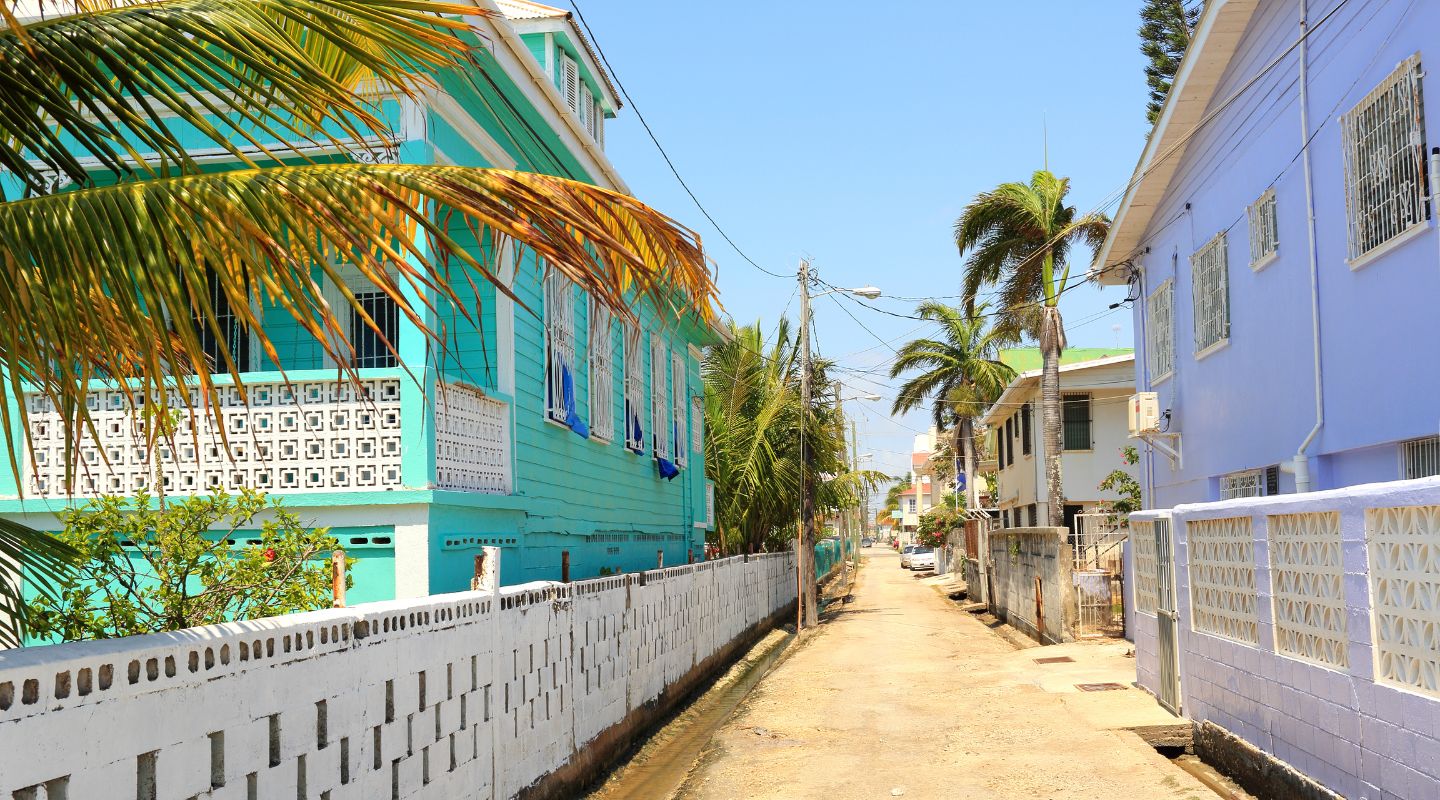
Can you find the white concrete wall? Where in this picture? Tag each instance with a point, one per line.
(470, 695)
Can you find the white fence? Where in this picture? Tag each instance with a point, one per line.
(470, 695)
(1307, 625)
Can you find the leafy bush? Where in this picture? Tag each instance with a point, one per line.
(1124, 484)
(147, 569)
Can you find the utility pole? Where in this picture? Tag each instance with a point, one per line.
(804, 559)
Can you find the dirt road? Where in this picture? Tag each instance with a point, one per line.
(903, 694)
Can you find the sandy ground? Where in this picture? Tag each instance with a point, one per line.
(901, 693)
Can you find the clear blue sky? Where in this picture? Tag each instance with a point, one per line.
(854, 133)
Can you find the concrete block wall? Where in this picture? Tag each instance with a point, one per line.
(471, 695)
(1017, 557)
(1349, 728)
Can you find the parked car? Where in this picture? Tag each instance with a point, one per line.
(905, 555)
(922, 558)
(867, 542)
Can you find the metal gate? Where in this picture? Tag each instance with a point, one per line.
(1167, 617)
(1098, 575)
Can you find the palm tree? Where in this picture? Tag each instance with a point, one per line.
(1015, 237)
(117, 228)
(960, 375)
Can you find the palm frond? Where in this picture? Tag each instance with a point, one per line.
(131, 84)
(27, 558)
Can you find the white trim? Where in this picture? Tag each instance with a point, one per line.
(1214, 348)
(1394, 243)
(475, 135)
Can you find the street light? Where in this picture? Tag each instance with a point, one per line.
(805, 560)
(871, 396)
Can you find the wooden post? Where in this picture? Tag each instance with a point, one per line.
(337, 578)
(659, 559)
(564, 566)
(487, 571)
(690, 556)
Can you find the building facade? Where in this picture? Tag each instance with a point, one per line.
(1279, 241)
(926, 489)
(540, 430)
(1094, 431)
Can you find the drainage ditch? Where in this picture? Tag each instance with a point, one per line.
(659, 768)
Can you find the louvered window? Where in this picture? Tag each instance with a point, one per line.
(1384, 145)
(678, 406)
(570, 82)
(1075, 421)
(597, 123)
(559, 342)
(1209, 274)
(634, 356)
(659, 398)
(1025, 436)
(697, 425)
(1160, 332)
(584, 108)
(602, 372)
(1264, 230)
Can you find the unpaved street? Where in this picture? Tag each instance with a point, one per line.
(903, 694)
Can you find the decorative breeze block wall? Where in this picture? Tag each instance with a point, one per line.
(1307, 574)
(309, 436)
(1222, 578)
(469, 695)
(1404, 549)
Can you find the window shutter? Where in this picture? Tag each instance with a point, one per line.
(570, 82)
(585, 107)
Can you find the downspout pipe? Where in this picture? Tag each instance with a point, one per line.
(1300, 465)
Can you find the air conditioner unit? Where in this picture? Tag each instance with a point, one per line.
(1144, 413)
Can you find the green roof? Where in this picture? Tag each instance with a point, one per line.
(1024, 359)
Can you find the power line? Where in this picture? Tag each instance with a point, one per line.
(668, 162)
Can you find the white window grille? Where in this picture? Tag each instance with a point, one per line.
(1384, 145)
(559, 341)
(1420, 458)
(1264, 230)
(678, 407)
(634, 389)
(659, 398)
(697, 425)
(1307, 573)
(1160, 331)
(1208, 272)
(1222, 578)
(602, 372)
(570, 82)
(1402, 547)
(1142, 545)
(1248, 483)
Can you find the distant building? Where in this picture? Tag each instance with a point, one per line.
(1094, 395)
(926, 489)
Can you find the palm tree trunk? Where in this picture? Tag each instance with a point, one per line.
(972, 486)
(1052, 342)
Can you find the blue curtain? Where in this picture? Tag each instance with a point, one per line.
(667, 468)
(572, 417)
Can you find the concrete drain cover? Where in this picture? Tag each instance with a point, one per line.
(1054, 660)
(1099, 687)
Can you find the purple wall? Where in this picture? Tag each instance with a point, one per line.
(1250, 404)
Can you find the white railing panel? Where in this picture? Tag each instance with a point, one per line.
(472, 441)
(1307, 574)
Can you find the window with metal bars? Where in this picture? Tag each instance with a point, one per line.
(233, 337)
(1420, 458)
(1075, 421)
(1008, 445)
(659, 398)
(697, 425)
(678, 407)
(559, 342)
(601, 357)
(1031, 513)
(1211, 288)
(1264, 230)
(1385, 167)
(370, 342)
(634, 357)
(1025, 429)
(1247, 483)
(1160, 331)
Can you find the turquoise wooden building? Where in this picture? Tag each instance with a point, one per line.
(544, 431)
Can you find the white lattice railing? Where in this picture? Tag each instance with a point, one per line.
(308, 436)
(472, 441)
(1222, 578)
(1307, 574)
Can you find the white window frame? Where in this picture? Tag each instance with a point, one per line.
(1160, 332)
(601, 358)
(559, 340)
(659, 398)
(1420, 458)
(597, 122)
(1245, 483)
(337, 296)
(679, 406)
(1264, 231)
(634, 356)
(1210, 289)
(1383, 136)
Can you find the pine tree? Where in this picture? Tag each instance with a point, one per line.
(1165, 29)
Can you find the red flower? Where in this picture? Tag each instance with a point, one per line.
(269, 554)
